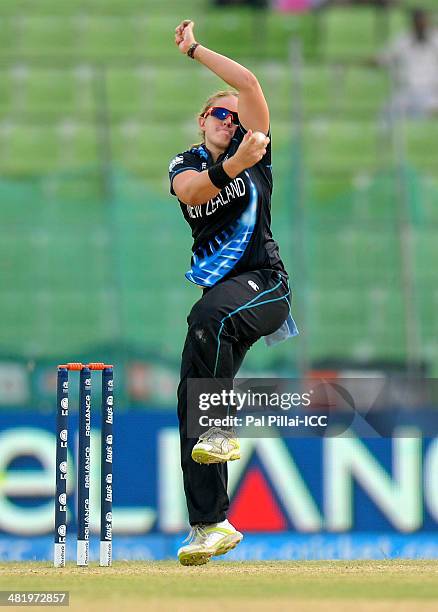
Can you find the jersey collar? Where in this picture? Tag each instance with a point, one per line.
(221, 157)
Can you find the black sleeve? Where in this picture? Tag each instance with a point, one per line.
(181, 163)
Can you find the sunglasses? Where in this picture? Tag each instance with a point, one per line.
(222, 113)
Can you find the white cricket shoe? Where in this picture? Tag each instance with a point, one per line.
(207, 541)
(216, 446)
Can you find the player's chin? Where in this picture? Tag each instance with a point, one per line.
(223, 138)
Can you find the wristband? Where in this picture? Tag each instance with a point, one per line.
(192, 49)
(218, 176)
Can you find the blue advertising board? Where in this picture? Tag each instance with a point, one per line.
(292, 498)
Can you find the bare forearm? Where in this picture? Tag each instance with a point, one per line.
(228, 70)
(200, 189)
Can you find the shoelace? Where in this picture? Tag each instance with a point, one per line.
(195, 531)
(216, 432)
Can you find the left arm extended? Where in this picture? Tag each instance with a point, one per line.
(252, 107)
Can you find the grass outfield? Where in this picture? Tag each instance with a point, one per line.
(317, 586)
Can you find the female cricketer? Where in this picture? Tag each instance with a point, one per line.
(224, 188)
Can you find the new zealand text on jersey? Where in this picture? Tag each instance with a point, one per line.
(235, 189)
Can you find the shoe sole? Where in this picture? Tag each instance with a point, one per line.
(202, 456)
(230, 542)
(195, 558)
(203, 557)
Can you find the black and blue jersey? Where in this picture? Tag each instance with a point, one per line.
(232, 231)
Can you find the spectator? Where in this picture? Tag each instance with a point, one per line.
(413, 61)
(293, 5)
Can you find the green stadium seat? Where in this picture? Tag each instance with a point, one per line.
(156, 37)
(345, 147)
(50, 91)
(93, 316)
(353, 256)
(426, 304)
(8, 93)
(80, 145)
(101, 37)
(322, 90)
(353, 272)
(232, 32)
(425, 200)
(358, 199)
(21, 320)
(283, 28)
(169, 98)
(47, 94)
(425, 254)
(364, 92)
(349, 33)
(147, 148)
(326, 187)
(320, 85)
(378, 200)
(8, 34)
(172, 8)
(281, 132)
(129, 91)
(30, 149)
(97, 7)
(55, 93)
(420, 139)
(48, 37)
(399, 20)
(310, 92)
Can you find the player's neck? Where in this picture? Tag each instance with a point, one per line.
(215, 152)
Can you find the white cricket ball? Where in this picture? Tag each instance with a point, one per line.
(259, 137)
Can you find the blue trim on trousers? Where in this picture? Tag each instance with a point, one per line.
(252, 303)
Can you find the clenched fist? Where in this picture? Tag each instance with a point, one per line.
(184, 37)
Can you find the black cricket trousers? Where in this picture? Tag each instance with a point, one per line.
(222, 326)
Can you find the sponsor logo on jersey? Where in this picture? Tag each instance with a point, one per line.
(175, 161)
